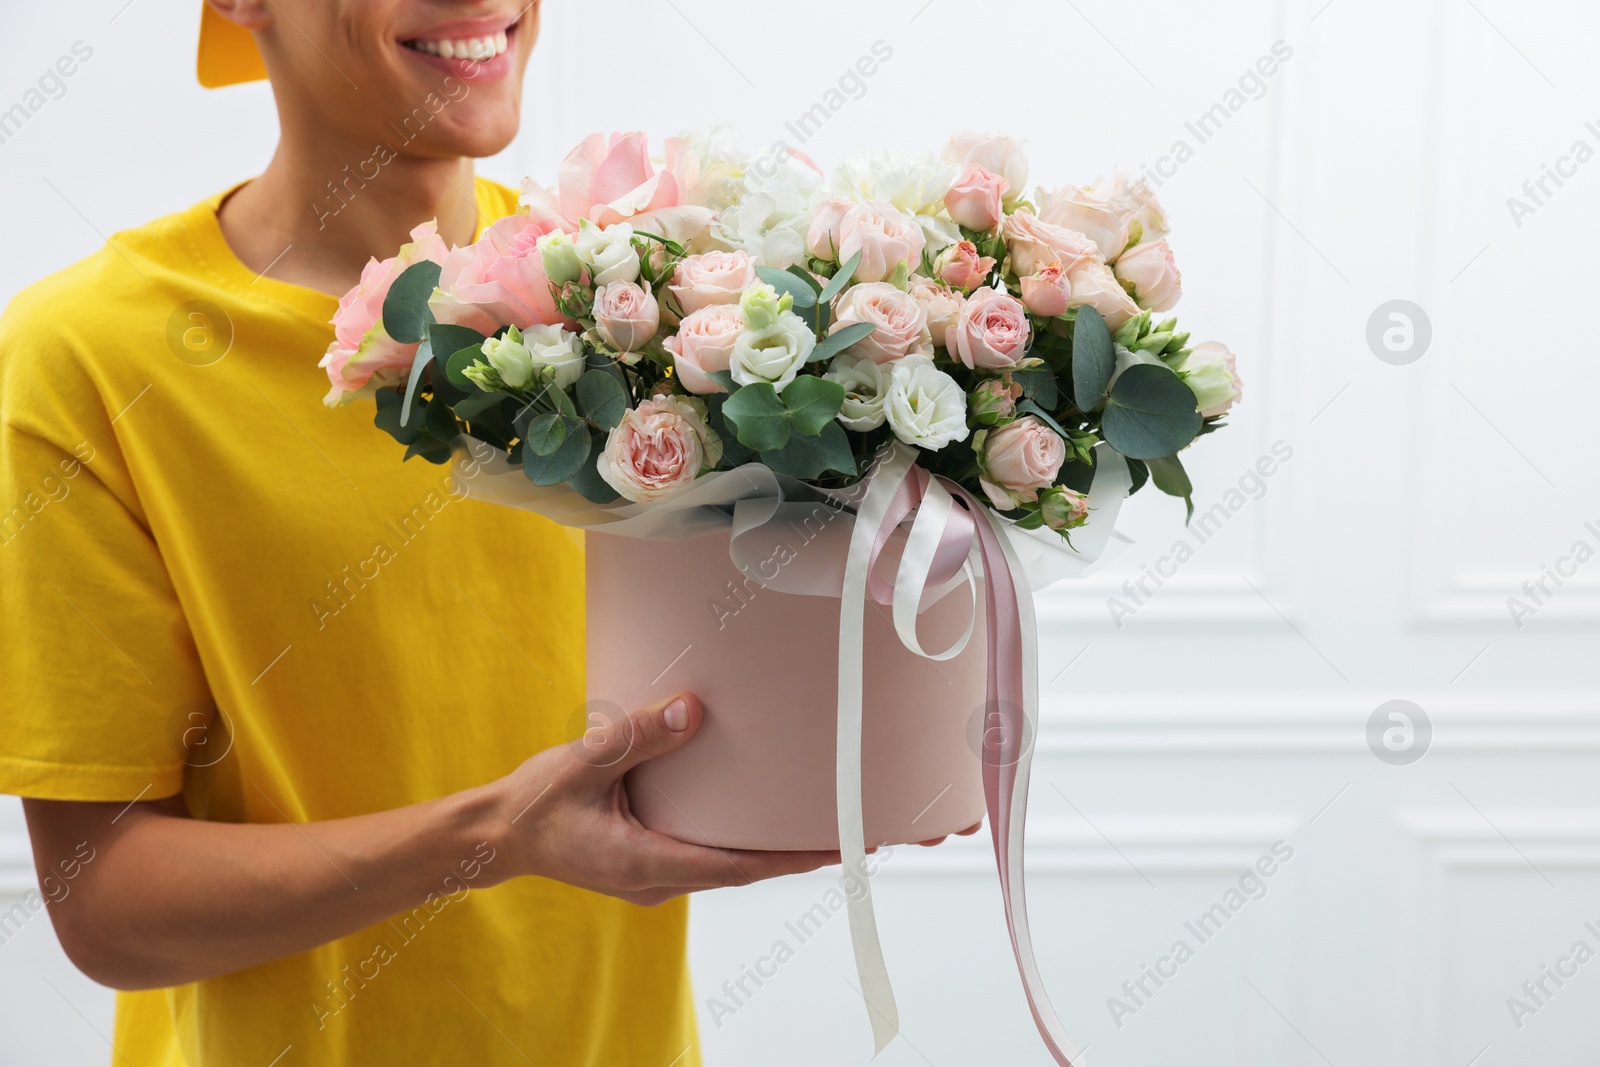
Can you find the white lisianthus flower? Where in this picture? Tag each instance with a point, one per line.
(510, 359)
(773, 354)
(772, 214)
(557, 349)
(914, 184)
(609, 254)
(925, 406)
(559, 254)
(865, 389)
(1211, 373)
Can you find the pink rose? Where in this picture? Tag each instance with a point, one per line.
(1048, 292)
(1150, 271)
(712, 278)
(994, 399)
(992, 333)
(901, 323)
(885, 238)
(626, 315)
(994, 153)
(1035, 245)
(658, 448)
(703, 344)
(976, 200)
(1094, 285)
(1018, 460)
(499, 281)
(960, 266)
(822, 240)
(612, 180)
(1063, 509)
(941, 303)
(1074, 209)
(363, 357)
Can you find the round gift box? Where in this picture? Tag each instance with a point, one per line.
(677, 616)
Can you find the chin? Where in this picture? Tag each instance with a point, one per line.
(477, 135)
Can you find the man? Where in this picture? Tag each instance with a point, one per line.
(269, 691)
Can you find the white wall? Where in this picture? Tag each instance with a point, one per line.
(1230, 710)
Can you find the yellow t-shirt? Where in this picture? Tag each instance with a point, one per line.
(184, 526)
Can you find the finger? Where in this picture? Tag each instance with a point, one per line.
(667, 862)
(617, 747)
(969, 831)
(932, 841)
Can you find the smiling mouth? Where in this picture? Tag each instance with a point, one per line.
(480, 49)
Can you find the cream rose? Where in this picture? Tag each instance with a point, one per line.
(773, 354)
(609, 254)
(900, 323)
(1094, 285)
(1035, 245)
(712, 278)
(1075, 209)
(925, 406)
(992, 333)
(1149, 273)
(822, 239)
(658, 448)
(1211, 372)
(865, 385)
(627, 315)
(1138, 206)
(885, 238)
(703, 344)
(1018, 460)
(941, 304)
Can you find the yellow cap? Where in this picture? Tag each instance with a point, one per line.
(228, 52)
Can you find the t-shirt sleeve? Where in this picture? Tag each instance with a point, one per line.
(101, 676)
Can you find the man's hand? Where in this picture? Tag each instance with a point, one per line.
(567, 817)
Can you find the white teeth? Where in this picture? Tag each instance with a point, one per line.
(479, 49)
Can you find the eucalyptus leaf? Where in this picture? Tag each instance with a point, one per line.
(406, 317)
(420, 361)
(462, 358)
(1173, 480)
(1150, 413)
(1077, 474)
(758, 416)
(440, 421)
(781, 280)
(587, 481)
(733, 453)
(807, 277)
(447, 339)
(1139, 472)
(812, 402)
(546, 433)
(1028, 407)
(723, 378)
(431, 449)
(812, 455)
(561, 464)
(837, 283)
(1094, 359)
(1039, 386)
(477, 403)
(391, 406)
(839, 340)
(601, 398)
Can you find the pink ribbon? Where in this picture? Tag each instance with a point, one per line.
(1010, 707)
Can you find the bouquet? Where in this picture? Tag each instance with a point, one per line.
(663, 347)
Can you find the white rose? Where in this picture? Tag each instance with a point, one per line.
(1134, 200)
(558, 349)
(865, 384)
(925, 406)
(609, 254)
(774, 354)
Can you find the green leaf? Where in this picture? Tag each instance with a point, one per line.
(1077, 474)
(1094, 360)
(733, 453)
(1039, 386)
(839, 340)
(448, 339)
(723, 378)
(459, 361)
(477, 403)
(388, 419)
(441, 422)
(424, 354)
(587, 481)
(1150, 414)
(546, 433)
(405, 309)
(563, 463)
(1173, 480)
(812, 402)
(807, 277)
(758, 416)
(810, 456)
(841, 278)
(1028, 407)
(784, 282)
(1139, 472)
(431, 449)
(601, 398)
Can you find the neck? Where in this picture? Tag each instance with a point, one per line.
(333, 207)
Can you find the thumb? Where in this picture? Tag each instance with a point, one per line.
(620, 746)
